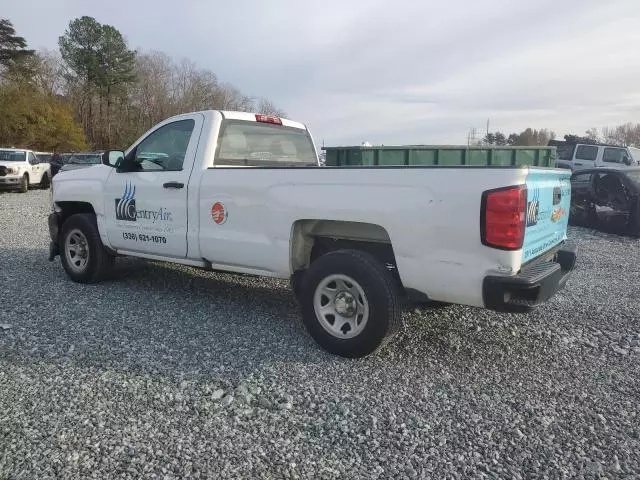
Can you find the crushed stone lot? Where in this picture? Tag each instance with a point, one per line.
(169, 372)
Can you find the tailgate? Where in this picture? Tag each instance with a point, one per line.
(547, 214)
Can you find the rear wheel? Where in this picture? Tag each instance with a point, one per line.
(350, 303)
(24, 184)
(82, 254)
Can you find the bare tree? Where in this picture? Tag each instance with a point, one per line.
(268, 108)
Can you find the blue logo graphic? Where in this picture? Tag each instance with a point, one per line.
(126, 206)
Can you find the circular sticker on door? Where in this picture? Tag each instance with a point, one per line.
(219, 213)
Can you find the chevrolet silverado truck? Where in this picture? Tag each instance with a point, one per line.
(244, 193)
(21, 169)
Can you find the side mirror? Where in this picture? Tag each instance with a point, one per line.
(626, 160)
(113, 158)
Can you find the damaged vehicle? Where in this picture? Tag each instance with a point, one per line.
(607, 199)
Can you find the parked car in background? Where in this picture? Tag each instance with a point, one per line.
(81, 160)
(576, 156)
(21, 169)
(607, 199)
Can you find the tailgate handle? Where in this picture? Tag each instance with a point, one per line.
(173, 185)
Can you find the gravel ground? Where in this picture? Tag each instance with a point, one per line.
(169, 372)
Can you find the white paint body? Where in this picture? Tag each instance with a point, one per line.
(31, 167)
(431, 215)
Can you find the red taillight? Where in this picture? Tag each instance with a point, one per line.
(503, 217)
(268, 119)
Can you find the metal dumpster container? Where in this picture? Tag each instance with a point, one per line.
(439, 155)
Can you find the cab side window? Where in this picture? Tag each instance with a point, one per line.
(165, 149)
(587, 152)
(32, 159)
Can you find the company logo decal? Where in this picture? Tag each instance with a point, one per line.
(219, 213)
(126, 208)
(533, 208)
(557, 214)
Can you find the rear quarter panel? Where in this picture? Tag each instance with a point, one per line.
(432, 216)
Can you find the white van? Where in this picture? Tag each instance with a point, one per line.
(576, 156)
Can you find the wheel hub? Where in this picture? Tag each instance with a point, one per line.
(345, 304)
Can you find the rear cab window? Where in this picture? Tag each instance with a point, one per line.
(565, 152)
(257, 144)
(587, 152)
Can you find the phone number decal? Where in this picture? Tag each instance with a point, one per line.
(141, 237)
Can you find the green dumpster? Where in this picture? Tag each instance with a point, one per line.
(440, 155)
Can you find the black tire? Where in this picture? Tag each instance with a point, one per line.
(296, 283)
(99, 262)
(381, 293)
(24, 184)
(45, 182)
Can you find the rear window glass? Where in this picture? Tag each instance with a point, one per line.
(613, 155)
(260, 144)
(565, 152)
(587, 152)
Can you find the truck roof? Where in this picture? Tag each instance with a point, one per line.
(245, 116)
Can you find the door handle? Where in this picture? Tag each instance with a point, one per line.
(173, 185)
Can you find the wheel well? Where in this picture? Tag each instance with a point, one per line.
(314, 238)
(66, 209)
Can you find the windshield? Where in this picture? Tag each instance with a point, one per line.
(261, 144)
(12, 156)
(85, 159)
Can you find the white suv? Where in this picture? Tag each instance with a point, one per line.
(581, 155)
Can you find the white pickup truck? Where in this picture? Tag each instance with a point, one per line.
(244, 193)
(21, 169)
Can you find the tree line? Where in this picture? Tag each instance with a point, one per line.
(624, 135)
(96, 92)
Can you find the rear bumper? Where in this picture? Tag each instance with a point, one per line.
(534, 285)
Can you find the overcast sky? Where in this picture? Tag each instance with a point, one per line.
(393, 71)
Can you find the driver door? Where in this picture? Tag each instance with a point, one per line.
(146, 204)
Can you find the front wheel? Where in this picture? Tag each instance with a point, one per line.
(350, 303)
(82, 254)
